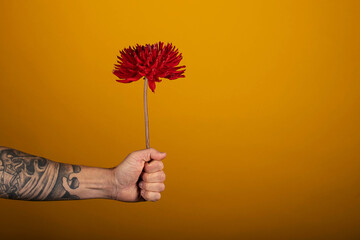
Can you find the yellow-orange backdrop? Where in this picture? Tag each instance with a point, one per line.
(262, 135)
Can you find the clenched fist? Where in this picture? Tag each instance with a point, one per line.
(139, 177)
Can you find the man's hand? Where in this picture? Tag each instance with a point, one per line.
(27, 177)
(140, 177)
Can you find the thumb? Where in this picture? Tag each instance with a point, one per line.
(155, 154)
(150, 154)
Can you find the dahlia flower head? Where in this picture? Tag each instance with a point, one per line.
(153, 61)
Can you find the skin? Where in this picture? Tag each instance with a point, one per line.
(139, 177)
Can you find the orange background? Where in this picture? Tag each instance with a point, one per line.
(262, 135)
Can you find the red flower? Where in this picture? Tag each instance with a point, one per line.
(153, 61)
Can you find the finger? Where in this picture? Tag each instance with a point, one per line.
(149, 154)
(154, 166)
(156, 177)
(152, 187)
(153, 154)
(150, 196)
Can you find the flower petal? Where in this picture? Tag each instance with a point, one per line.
(154, 61)
(152, 85)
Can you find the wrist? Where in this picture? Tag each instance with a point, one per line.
(108, 184)
(96, 183)
(112, 184)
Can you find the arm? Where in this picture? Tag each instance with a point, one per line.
(27, 177)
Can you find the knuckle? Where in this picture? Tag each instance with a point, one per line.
(162, 176)
(145, 186)
(154, 197)
(147, 167)
(145, 177)
(147, 196)
(161, 187)
(157, 197)
(161, 165)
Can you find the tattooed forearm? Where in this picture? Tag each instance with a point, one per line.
(27, 177)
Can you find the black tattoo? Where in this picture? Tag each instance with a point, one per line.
(27, 177)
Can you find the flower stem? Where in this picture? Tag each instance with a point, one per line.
(146, 114)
